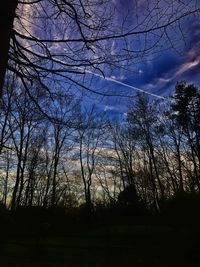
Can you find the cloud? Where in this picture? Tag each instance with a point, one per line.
(186, 67)
(182, 69)
(190, 62)
(106, 108)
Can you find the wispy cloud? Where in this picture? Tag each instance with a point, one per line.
(190, 62)
(106, 108)
(186, 67)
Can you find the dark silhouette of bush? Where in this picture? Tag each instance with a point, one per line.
(5, 218)
(183, 209)
(129, 202)
(128, 197)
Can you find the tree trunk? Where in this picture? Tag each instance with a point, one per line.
(7, 14)
(16, 186)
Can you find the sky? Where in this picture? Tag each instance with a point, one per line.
(159, 72)
(156, 72)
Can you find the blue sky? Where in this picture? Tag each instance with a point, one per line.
(154, 70)
(159, 71)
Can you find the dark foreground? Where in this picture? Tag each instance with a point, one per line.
(121, 245)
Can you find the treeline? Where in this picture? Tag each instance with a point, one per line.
(54, 152)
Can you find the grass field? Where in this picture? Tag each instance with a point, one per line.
(116, 245)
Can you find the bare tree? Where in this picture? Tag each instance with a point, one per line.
(22, 123)
(5, 112)
(57, 144)
(35, 163)
(7, 163)
(90, 132)
(142, 117)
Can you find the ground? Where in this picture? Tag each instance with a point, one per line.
(104, 246)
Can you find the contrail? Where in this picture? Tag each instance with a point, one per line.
(109, 79)
(124, 84)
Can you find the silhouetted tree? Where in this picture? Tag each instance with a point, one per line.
(142, 117)
(186, 112)
(90, 131)
(22, 123)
